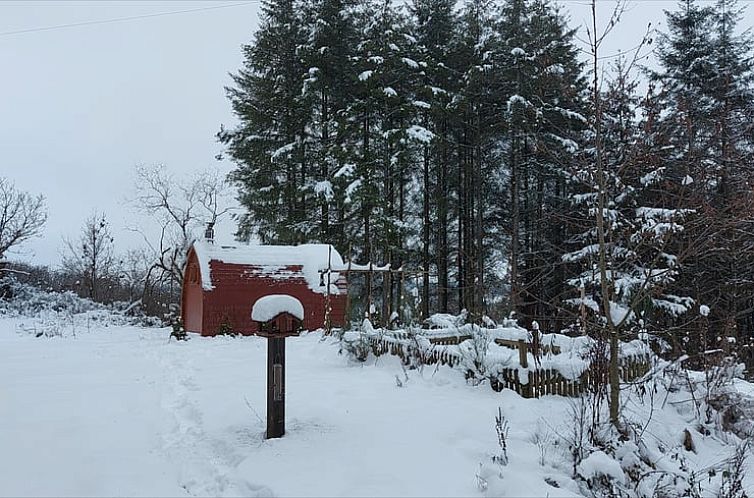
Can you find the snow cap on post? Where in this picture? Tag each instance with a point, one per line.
(268, 307)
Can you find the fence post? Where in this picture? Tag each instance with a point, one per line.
(523, 356)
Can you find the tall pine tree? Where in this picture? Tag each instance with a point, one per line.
(268, 145)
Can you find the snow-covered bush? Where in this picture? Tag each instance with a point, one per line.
(64, 313)
(26, 300)
(355, 343)
(601, 471)
(446, 320)
(474, 354)
(734, 471)
(664, 446)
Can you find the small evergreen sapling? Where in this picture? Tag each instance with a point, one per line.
(179, 332)
(226, 328)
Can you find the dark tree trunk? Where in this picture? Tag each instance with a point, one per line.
(425, 235)
(442, 221)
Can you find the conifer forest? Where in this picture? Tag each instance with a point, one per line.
(509, 170)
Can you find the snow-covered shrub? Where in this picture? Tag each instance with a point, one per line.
(416, 349)
(597, 357)
(542, 439)
(136, 314)
(474, 354)
(446, 320)
(734, 471)
(579, 429)
(663, 446)
(712, 399)
(53, 314)
(27, 300)
(355, 343)
(598, 466)
(720, 401)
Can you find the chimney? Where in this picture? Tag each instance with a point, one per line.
(209, 235)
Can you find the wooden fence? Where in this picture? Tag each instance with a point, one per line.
(548, 381)
(401, 346)
(540, 381)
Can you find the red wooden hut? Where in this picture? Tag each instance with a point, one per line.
(222, 283)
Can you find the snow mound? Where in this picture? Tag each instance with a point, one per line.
(268, 307)
(600, 464)
(445, 321)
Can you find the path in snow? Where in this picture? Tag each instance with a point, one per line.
(204, 462)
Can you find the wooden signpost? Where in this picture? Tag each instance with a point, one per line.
(283, 324)
(275, 387)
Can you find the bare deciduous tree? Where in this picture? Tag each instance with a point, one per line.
(133, 271)
(22, 216)
(90, 257)
(181, 207)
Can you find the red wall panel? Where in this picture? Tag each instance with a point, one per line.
(237, 288)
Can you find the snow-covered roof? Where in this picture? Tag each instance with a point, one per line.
(268, 307)
(273, 261)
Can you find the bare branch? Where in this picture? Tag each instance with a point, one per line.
(22, 216)
(181, 207)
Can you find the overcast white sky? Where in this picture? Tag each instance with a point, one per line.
(79, 107)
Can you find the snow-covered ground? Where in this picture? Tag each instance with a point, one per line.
(123, 411)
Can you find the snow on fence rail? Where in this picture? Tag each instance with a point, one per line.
(507, 357)
(548, 381)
